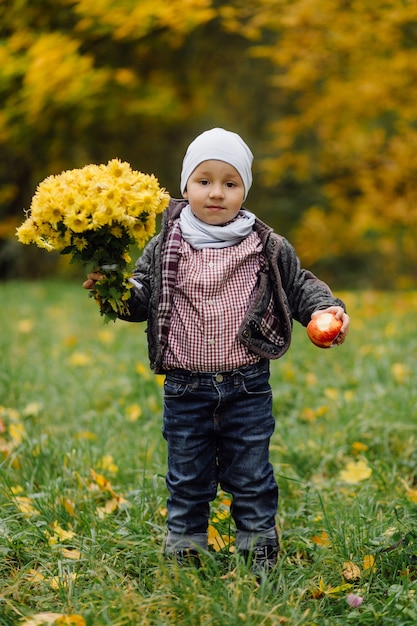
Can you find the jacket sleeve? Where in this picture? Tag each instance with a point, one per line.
(143, 283)
(304, 291)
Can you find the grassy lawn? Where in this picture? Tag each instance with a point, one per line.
(82, 464)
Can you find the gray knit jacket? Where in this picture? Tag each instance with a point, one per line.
(284, 292)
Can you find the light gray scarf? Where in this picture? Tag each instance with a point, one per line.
(201, 235)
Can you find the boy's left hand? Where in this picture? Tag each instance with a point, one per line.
(340, 314)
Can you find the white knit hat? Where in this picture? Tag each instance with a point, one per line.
(220, 145)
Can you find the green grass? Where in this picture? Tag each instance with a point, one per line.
(81, 451)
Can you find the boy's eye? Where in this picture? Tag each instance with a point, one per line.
(204, 182)
(230, 185)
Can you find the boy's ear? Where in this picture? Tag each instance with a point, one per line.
(185, 194)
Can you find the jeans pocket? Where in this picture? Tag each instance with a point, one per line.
(257, 385)
(175, 388)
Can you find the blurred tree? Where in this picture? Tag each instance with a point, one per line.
(75, 74)
(322, 90)
(343, 133)
(85, 81)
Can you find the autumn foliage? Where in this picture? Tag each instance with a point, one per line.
(323, 90)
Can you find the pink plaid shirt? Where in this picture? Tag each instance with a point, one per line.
(212, 292)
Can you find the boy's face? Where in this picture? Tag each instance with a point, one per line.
(215, 192)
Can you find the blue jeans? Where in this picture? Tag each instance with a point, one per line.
(218, 428)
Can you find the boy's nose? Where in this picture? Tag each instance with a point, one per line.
(216, 191)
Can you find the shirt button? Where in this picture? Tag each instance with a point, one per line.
(211, 264)
(211, 342)
(218, 378)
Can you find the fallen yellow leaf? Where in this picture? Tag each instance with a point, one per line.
(25, 326)
(411, 493)
(216, 540)
(326, 590)
(107, 463)
(80, 359)
(59, 534)
(368, 563)
(34, 576)
(70, 620)
(61, 582)
(351, 571)
(400, 372)
(133, 412)
(41, 618)
(322, 540)
(68, 505)
(358, 446)
(71, 554)
(355, 472)
(24, 504)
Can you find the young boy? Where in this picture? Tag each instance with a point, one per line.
(219, 290)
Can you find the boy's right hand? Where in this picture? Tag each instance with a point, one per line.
(92, 278)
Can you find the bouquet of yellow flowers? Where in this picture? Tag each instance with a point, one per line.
(95, 214)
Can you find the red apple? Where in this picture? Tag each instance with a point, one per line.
(323, 329)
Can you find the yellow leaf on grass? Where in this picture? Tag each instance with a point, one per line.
(358, 446)
(70, 620)
(143, 371)
(334, 591)
(400, 372)
(41, 618)
(322, 540)
(106, 336)
(33, 576)
(311, 379)
(61, 582)
(101, 481)
(24, 504)
(59, 534)
(411, 493)
(86, 434)
(17, 432)
(369, 563)
(32, 409)
(68, 505)
(355, 472)
(80, 359)
(133, 412)
(25, 326)
(59, 619)
(351, 571)
(326, 590)
(308, 415)
(107, 463)
(331, 393)
(216, 540)
(73, 554)
(111, 506)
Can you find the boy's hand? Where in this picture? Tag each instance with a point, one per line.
(340, 314)
(92, 278)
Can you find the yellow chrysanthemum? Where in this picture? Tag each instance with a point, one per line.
(150, 225)
(94, 214)
(80, 243)
(117, 168)
(27, 232)
(52, 213)
(117, 231)
(41, 242)
(77, 222)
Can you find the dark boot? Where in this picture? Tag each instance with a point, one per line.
(185, 556)
(263, 558)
